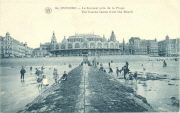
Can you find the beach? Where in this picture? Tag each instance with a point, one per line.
(15, 94)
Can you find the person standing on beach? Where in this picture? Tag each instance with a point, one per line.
(117, 72)
(37, 72)
(127, 64)
(109, 64)
(135, 76)
(110, 71)
(144, 73)
(70, 65)
(122, 71)
(126, 71)
(30, 68)
(23, 71)
(164, 63)
(42, 68)
(55, 76)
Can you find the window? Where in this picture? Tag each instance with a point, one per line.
(77, 45)
(62, 46)
(57, 46)
(84, 45)
(69, 46)
(111, 45)
(99, 45)
(92, 45)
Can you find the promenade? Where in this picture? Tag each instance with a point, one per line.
(88, 90)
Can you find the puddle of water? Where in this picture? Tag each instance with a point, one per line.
(157, 92)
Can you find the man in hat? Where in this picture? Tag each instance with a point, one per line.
(23, 71)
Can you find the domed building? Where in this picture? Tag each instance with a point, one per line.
(90, 44)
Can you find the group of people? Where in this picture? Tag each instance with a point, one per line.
(56, 76)
(124, 71)
(41, 76)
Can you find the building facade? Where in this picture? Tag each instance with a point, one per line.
(125, 47)
(90, 44)
(39, 52)
(169, 47)
(13, 48)
(152, 47)
(137, 46)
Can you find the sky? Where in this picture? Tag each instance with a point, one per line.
(27, 21)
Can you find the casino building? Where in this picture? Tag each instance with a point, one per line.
(80, 44)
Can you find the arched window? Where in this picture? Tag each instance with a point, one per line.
(106, 45)
(62, 46)
(77, 45)
(84, 45)
(92, 45)
(117, 45)
(69, 46)
(99, 45)
(111, 45)
(57, 46)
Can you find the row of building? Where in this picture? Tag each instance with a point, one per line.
(95, 45)
(167, 47)
(11, 47)
(91, 44)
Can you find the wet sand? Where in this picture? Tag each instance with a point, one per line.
(88, 90)
(16, 94)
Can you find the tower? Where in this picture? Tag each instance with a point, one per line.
(167, 39)
(113, 37)
(7, 34)
(123, 45)
(53, 39)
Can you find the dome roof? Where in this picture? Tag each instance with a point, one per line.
(64, 40)
(104, 39)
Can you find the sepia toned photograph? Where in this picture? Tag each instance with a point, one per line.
(87, 56)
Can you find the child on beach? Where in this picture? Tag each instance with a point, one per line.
(55, 76)
(101, 68)
(122, 71)
(45, 81)
(110, 71)
(164, 64)
(64, 77)
(144, 73)
(126, 72)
